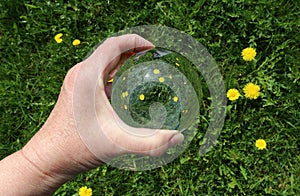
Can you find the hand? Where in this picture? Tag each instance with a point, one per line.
(83, 131)
(98, 123)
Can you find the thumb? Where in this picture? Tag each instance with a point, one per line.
(127, 139)
(149, 142)
(158, 148)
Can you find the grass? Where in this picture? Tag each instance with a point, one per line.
(33, 66)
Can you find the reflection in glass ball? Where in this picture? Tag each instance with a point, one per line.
(150, 91)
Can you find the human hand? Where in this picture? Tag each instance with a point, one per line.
(83, 131)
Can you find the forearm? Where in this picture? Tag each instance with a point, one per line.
(41, 167)
(19, 176)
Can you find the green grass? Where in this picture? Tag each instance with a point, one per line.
(33, 66)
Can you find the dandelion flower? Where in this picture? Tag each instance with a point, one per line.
(156, 71)
(84, 191)
(177, 64)
(175, 99)
(125, 94)
(261, 144)
(233, 94)
(251, 91)
(185, 111)
(124, 107)
(142, 97)
(248, 54)
(58, 38)
(161, 79)
(76, 42)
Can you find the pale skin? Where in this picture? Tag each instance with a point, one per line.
(57, 153)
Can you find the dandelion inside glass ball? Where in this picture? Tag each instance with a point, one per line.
(151, 90)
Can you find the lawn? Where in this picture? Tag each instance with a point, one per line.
(33, 66)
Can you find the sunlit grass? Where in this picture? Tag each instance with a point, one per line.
(33, 66)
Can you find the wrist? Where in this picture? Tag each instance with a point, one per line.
(20, 177)
(56, 150)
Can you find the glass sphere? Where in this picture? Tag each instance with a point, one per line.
(151, 91)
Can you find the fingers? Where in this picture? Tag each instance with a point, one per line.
(108, 90)
(116, 50)
(116, 65)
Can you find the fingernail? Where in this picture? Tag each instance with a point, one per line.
(176, 139)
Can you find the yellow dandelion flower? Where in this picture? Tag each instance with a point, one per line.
(142, 97)
(251, 91)
(261, 144)
(58, 38)
(84, 191)
(161, 79)
(125, 94)
(156, 71)
(248, 54)
(185, 111)
(177, 64)
(175, 99)
(233, 94)
(177, 59)
(76, 42)
(124, 107)
(111, 80)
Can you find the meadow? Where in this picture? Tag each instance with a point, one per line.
(33, 66)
